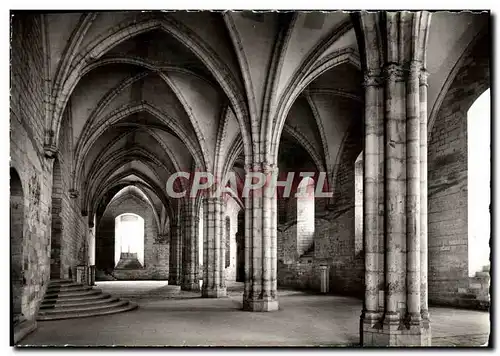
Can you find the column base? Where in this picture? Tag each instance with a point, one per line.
(376, 333)
(192, 287)
(174, 281)
(260, 305)
(219, 292)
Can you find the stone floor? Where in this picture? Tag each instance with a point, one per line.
(168, 318)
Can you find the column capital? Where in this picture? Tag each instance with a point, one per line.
(264, 167)
(50, 151)
(423, 75)
(162, 238)
(373, 78)
(394, 72)
(73, 193)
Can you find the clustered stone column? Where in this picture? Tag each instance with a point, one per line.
(214, 279)
(260, 244)
(395, 309)
(190, 267)
(175, 258)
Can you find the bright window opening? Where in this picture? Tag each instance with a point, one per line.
(478, 147)
(305, 215)
(129, 236)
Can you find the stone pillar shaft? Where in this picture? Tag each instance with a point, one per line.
(214, 283)
(395, 192)
(175, 260)
(413, 194)
(371, 195)
(260, 248)
(190, 255)
(248, 252)
(424, 308)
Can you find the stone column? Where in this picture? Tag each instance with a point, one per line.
(190, 261)
(395, 192)
(174, 274)
(214, 281)
(372, 230)
(401, 134)
(413, 194)
(261, 287)
(424, 308)
(324, 278)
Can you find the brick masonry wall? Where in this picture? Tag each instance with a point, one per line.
(447, 163)
(156, 254)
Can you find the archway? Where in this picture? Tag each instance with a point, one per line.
(129, 241)
(56, 230)
(478, 183)
(16, 244)
(240, 248)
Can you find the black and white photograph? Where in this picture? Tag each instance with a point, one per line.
(249, 178)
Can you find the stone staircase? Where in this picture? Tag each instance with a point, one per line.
(478, 293)
(66, 299)
(308, 255)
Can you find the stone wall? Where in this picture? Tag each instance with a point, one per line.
(156, 253)
(74, 226)
(27, 120)
(447, 167)
(334, 237)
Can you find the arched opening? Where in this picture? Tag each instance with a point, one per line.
(458, 187)
(56, 230)
(240, 247)
(358, 204)
(16, 244)
(129, 241)
(478, 183)
(305, 215)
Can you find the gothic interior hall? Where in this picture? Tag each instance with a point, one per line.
(239, 178)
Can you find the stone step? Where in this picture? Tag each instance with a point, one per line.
(106, 298)
(486, 268)
(110, 303)
(70, 286)
(58, 282)
(72, 293)
(84, 314)
(65, 291)
(74, 299)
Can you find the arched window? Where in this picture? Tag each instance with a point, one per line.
(305, 215)
(358, 204)
(478, 171)
(129, 241)
(16, 242)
